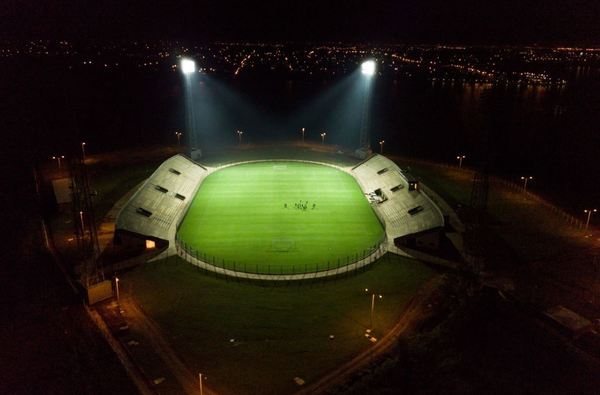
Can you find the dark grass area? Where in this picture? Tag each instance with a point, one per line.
(551, 261)
(487, 345)
(280, 331)
(484, 347)
(531, 230)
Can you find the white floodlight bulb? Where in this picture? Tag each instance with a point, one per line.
(188, 66)
(368, 67)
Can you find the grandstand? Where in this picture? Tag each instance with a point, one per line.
(409, 216)
(153, 211)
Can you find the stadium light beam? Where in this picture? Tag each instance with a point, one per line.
(188, 66)
(368, 67)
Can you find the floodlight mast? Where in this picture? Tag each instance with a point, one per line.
(367, 69)
(188, 68)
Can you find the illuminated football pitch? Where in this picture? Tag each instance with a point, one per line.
(280, 217)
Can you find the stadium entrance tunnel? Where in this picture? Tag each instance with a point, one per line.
(427, 240)
(137, 243)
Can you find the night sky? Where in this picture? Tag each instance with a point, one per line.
(464, 21)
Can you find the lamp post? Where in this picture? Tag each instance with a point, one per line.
(302, 131)
(117, 288)
(381, 146)
(200, 379)
(58, 158)
(373, 305)
(82, 223)
(239, 133)
(525, 179)
(178, 134)
(589, 215)
(460, 159)
(323, 134)
(83, 151)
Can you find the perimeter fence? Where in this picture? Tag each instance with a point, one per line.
(281, 272)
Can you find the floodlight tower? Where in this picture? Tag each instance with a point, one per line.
(367, 69)
(188, 68)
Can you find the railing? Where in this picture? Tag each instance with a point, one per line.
(280, 272)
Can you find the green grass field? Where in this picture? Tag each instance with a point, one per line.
(239, 215)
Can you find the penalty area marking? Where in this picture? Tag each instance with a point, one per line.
(283, 244)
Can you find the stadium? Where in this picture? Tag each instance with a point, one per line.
(239, 251)
(280, 219)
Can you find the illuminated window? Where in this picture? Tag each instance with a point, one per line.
(150, 244)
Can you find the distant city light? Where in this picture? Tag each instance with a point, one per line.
(368, 67)
(188, 66)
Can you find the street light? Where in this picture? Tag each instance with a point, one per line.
(302, 131)
(200, 377)
(589, 214)
(373, 305)
(58, 158)
(82, 224)
(239, 133)
(323, 134)
(117, 287)
(178, 134)
(525, 179)
(460, 159)
(381, 146)
(83, 151)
